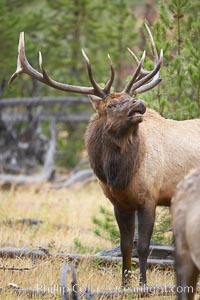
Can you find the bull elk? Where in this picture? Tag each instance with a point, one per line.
(137, 155)
(186, 227)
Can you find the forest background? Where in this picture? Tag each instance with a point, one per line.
(59, 29)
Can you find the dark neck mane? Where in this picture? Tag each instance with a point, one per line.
(113, 159)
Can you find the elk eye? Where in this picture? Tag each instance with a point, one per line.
(109, 105)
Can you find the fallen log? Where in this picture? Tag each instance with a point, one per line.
(81, 176)
(37, 222)
(23, 221)
(80, 173)
(157, 251)
(22, 117)
(16, 268)
(34, 101)
(77, 258)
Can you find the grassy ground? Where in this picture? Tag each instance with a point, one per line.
(66, 215)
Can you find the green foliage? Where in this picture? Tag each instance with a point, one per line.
(105, 226)
(84, 249)
(162, 232)
(16, 16)
(107, 229)
(176, 31)
(79, 246)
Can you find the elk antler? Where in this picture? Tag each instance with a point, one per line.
(138, 82)
(23, 66)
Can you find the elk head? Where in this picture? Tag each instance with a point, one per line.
(121, 112)
(122, 106)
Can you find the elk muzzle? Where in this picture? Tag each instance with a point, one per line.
(137, 111)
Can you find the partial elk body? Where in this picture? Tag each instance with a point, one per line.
(186, 227)
(137, 155)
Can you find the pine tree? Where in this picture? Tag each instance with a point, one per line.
(177, 32)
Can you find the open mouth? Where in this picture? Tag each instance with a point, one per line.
(133, 114)
(136, 112)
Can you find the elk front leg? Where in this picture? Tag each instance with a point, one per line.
(126, 223)
(146, 217)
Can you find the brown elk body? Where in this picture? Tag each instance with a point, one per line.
(139, 167)
(138, 156)
(186, 227)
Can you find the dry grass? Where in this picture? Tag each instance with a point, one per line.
(66, 215)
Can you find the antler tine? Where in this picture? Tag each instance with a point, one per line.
(147, 86)
(139, 86)
(17, 72)
(44, 73)
(98, 90)
(153, 46)
(19, 68)
(128, 86)
(143, 71)
(112, 77)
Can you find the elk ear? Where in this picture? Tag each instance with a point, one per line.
(95, 101)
